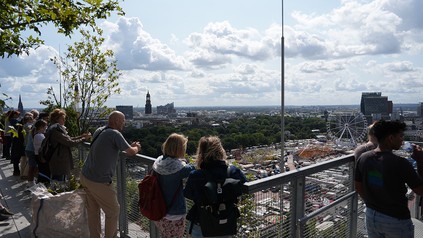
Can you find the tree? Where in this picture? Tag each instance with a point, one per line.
(19, 20)
(90, 75)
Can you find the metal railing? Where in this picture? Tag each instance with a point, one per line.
(314, 201)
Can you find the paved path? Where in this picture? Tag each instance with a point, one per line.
(17, 200)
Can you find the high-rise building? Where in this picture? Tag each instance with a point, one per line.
(420, 109)
(374, 106)
(128, 111)
(148, 104)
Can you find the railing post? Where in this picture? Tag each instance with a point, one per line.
(297, 204)
(154, 231)
(416, 211)
(121, 191)
(353, 204)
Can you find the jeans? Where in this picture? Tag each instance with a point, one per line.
(380, 225)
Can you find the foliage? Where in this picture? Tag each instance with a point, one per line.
(132, 198)
(3, 101)
(21, 20)
(56, 187)
(71, 122)
(241, 132)
(89, 76)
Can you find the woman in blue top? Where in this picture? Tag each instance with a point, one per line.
(172, 168)
(211, 156)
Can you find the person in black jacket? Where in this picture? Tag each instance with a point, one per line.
(18, 146)
(211, 156)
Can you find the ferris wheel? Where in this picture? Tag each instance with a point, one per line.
(347, 128)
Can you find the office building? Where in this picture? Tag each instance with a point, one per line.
(128, 111)
(374, 106)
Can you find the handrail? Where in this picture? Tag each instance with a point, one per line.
(275, 180)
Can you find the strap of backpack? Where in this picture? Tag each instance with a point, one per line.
(95, 138)
(228, 172)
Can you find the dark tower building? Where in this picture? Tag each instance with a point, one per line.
(375, 106)
(420, 109)
(20, 106)
(148, 104)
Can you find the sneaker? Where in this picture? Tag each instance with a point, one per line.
(3, 217)
(5, 211)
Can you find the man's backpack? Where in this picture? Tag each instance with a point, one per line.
(151, 201)
(218, 212)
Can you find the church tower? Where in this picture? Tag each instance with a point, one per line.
(148, 104)
(20, 106)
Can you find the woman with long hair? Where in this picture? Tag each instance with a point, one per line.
(211, 160)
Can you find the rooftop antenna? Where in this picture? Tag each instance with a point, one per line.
(282, 162)
(60, 78)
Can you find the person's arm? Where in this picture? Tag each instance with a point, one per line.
(418, 157)
(63, 139)
(189, 188)
(133, 149)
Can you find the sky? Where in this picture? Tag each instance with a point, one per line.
(228, 53)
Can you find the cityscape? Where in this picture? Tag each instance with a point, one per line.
(346, 128)
(289, 87)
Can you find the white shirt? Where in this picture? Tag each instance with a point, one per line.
(38, 139)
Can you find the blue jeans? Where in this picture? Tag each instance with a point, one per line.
(380, 225)
(196, 232)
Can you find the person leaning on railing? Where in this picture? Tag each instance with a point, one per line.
(380, 180)
(61, 162)
(98, 171)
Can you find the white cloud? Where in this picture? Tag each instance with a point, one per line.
(220, 42)
(331, 56)
(136, 49)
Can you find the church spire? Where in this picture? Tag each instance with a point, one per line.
(20, 106)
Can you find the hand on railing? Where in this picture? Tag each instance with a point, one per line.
(418, 157)
(417, 154)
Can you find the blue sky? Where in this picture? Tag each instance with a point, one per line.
(227, 53)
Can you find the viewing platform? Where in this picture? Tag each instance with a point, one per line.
(314, 201)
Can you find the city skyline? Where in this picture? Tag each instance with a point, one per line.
(216, 53)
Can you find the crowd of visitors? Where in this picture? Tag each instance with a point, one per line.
(22, 138)
(25, 136)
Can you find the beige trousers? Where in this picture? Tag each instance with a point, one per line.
(101, 196)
